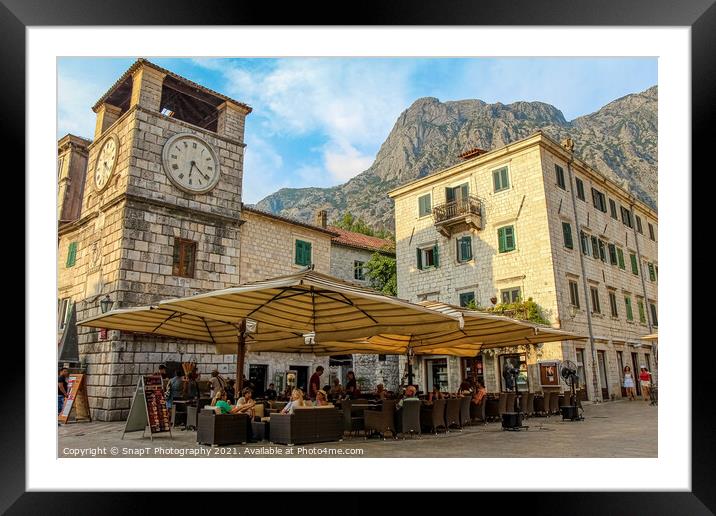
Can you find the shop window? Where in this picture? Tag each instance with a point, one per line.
(518, 362)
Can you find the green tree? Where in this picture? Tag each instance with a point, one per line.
(351, 223)
(382, 273)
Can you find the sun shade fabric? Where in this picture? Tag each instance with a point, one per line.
(313, 302)
(170, 323)
(651, 336)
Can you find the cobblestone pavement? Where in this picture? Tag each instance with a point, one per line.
(612, 429)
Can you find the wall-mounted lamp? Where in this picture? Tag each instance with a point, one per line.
(106, 304)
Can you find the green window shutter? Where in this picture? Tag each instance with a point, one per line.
(467, 244)
(496, 180)
(567, 230)
(309, 258)
(620, 258)
(299, 253)
(634, 265)
(419, 259)
(303, 253)
(595, 247)
(629, 313)
(71, 254)
(505, 178)
(652, 275)
(464, 191)
(509, 238)
(501, 239)
(642, 313)
(435, 256)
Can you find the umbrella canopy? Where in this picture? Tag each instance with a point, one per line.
(651, 336)
(170, 323)
(311, 302)
(480, 331)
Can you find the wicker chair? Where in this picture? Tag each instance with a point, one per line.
(433, 416)
(465, 418)
(523, 402)
(407, 418)
(502, 406)
(510, 404)
(546, 403)
(492, 409)
(306, 425)
(477, 412)
(351, 423)
(380, 421)
(452, 413)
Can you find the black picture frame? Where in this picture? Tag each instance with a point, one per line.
(699, 15)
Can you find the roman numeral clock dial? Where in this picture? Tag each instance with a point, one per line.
(106, 160)
(191, 164)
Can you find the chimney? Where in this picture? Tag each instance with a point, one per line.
(321, 218)
(472, 153)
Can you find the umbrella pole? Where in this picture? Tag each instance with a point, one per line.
(410, 366)
(240, 355)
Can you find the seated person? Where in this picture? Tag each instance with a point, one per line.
(436, 394)
(410, 394)
(296, 401)
(352, 391)
(245, 404)
(465, 389)
(321, 399)
(337, 389)
(380, 392)
(230, 391)
(271, 392)
(479, 396)
(219, 400)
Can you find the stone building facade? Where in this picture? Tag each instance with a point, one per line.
(513, 223)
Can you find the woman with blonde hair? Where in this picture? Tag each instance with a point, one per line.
(296, 401)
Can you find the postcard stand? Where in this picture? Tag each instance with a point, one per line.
(148, 408)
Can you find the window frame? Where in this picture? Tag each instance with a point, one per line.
(621, 262)
(584, 239)
(559, 173)
(509, 292)
(295, 252)
(602, 250)
(356, 275)
(567, 232)
(595, 246)
(642, 309)
(613, 303)
(580, 189)
(627, 218)
(421, 257)
(468, 293)
(652, 232)
(654, 313)
(639, 227)
(602, 204)
(62, 311)
(429, 195)
(613, 209)
(634, 264)
(500, 247)
(613, 259)
(574, 293)
(502, 188)
(594, 295)
(71, 255)
(183, 244)
(629, 308)
(459, 249)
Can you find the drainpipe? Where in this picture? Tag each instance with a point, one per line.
(569, 146)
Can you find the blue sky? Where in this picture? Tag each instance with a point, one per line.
(321, 121)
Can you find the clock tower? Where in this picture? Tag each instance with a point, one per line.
(160, 218)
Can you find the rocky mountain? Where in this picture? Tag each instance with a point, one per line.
(619, 140)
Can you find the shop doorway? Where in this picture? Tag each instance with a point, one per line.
(436, 373)
(301, 376)
(581, 373)
(603, 375)
(257, 377)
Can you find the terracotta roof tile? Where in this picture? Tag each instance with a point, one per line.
(361, 241)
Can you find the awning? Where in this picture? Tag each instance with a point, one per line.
(651, 336)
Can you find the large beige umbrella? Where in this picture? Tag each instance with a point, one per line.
(651, 336)
(311, 302)
(155, 320)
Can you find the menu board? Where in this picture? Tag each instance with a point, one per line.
(76, 405)
(549, 374)
(148, 408)
(156, 404)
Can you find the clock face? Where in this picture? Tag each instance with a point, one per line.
(106, 160)
(190, 163)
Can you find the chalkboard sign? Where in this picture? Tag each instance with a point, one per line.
(148, 408)
(76, 407)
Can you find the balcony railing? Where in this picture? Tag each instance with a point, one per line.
(459, 208)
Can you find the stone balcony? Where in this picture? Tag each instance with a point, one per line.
(459, 215)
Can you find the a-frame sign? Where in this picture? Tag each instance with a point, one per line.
(148, 408)
(76, 407)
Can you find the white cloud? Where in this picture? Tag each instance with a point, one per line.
(343, 161)
(262, 170)
(74, 100)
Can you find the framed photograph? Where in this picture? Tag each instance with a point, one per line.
(323, 143)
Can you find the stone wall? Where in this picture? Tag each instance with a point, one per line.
(376, 371)
(343, 260)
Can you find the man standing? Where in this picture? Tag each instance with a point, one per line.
(216, 383)
(162, 371)
(315, 382)
(62, 388)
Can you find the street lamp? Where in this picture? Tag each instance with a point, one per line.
(106, 304)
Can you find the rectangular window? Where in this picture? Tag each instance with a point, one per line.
(510, 295)
(651, 232)
(62, 310)
(620, 258)
(626, 217)
(559, 171)
(599, 199)
(580, 189)
(457, 192)
(464, 249)
(638, 224)
(428, 257)
(466, 298)
(584, 238)
(574, 293)
(613, 254)
(59, 167)
(303, 253)
(359, 270)
(595, 300)
(629, 313)
(613, 209)
(567, 231)
(500, 179)
(652, 273)
(71, 254)
(634, 264)
(381, 358)
(424, 205)
(183, 259)
(642, 312)
(654, 319)
(602, 251)
(506, 238)
(613, 303)
(595, 247)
